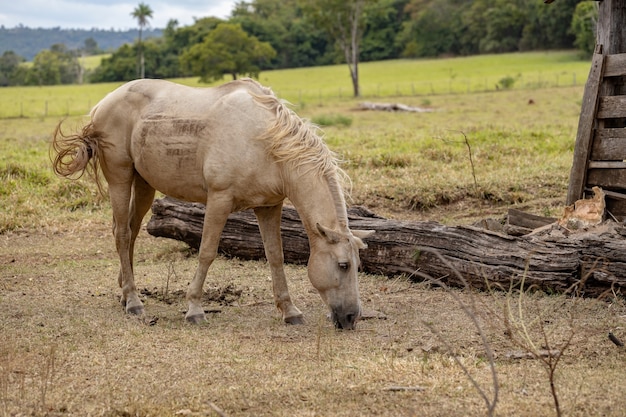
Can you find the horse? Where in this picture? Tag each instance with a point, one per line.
(232, 147)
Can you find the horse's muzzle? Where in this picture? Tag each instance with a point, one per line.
(345, 319)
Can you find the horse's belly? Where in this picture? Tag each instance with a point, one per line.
(168, 159)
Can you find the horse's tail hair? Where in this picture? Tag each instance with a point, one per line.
(74, 154)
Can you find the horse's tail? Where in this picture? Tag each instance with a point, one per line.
(74, 154)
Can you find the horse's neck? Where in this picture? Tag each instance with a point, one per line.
(319, 200)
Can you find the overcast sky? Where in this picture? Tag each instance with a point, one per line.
(106, 14)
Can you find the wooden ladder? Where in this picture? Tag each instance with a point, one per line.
(600, 150)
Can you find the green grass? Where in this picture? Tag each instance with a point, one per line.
(93, 61)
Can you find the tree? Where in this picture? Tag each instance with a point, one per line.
(297, 40)
(10, 63)
(53, 66)
(435, 28)
(142, 13)
(227, 49)
(505, 24)
(120, 66)
(90, 47)
(548, 26)
(344, 22)
(583, 26)
(45, 69)
(383, 21)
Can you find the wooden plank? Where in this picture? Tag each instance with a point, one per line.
(615, 65)
(611, 107)
(612, 194)
(607, 164)
(617, 208)
(586, 124)
(609, 145)
(607, 178)
(527, 220)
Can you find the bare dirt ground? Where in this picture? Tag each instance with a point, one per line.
(67, 348)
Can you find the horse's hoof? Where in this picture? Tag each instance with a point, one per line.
(135, 310)
(196, 319)
(294, 320)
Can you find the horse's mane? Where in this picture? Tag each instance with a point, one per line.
(300, 143)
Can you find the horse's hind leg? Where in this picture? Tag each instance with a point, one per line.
(121, 193)
(142, 197)
(269, 225)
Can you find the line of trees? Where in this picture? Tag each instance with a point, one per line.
(270, 34)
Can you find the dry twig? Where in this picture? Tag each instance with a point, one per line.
(469, 312)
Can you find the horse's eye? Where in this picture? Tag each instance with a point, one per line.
(344, 266)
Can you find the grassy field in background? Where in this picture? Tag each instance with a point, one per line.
(310, 86)
(431, 76)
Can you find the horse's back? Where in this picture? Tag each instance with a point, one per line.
(150, 97)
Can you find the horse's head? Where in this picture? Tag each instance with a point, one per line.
(333, 271)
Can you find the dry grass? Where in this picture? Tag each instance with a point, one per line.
(68, 348)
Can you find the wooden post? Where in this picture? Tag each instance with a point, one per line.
(611, 31)
(611, 34)
(586, 122)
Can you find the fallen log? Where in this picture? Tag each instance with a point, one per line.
(392, 107)
(553, 260)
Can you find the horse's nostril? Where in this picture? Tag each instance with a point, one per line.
(344, 321)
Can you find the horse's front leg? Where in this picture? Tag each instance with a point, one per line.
(269, 225)
(217, 210)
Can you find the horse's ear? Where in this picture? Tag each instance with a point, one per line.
(362, 234)
(330, 235)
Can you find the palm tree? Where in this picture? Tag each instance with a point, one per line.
(142, 13)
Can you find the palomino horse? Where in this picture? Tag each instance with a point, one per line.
(231, 147)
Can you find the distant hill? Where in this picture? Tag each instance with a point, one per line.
(28, 42)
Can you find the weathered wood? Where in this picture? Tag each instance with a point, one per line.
(610, 30)
(615, 65)
(607, 178)
(607, 164)
(609, 145)
(551, 261)
(586, 123)
(611, 107)
(617, 207)
(527, 220)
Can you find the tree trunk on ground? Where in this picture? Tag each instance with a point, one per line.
(551, 259)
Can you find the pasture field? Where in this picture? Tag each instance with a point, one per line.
(67, 349)
(315, 86)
